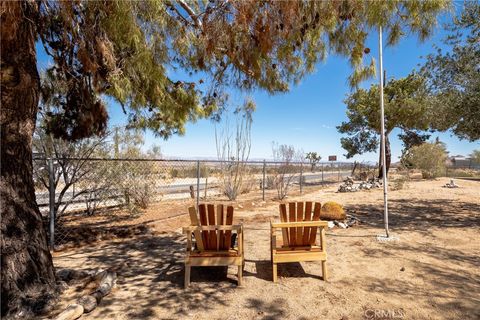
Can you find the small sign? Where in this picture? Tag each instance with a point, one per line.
(332, 158)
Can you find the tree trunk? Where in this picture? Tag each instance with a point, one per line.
(388, 157)
(26, 268)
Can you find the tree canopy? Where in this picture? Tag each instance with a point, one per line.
(406, 108)
(128, 50)
(453, 76)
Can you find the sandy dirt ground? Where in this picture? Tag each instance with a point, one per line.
(431, 272)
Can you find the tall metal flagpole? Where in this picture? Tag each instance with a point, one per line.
(382, 144)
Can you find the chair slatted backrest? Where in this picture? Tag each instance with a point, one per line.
(298, 212)
(208, 216)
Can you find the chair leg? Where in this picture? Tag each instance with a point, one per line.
(240, 275)
(274, 272)
(324, 270)
(187, 275)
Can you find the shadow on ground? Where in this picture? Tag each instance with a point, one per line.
(151, 271)
(151, 274)
(421, 215)
(438, 274)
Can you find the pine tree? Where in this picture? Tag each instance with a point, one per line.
(453, 76)
(406, 108)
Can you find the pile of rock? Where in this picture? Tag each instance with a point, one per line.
(451, 184)
(370, 184)
(350, 221)
(104, 281)
(349, 185)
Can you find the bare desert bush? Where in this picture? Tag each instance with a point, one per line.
(287, 170)
(249, 183)
(69, 169)
(137, 182)
(233, 150)
(400, 182)
(97, 187)
(362, 171)
(270, 182)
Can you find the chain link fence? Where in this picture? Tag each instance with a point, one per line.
(463, 171)
(84, 200)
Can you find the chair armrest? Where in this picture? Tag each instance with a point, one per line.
(235, 227)
(323, 224)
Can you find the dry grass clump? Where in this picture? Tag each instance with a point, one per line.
(332, 211)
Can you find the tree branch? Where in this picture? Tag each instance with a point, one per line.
(190, 12)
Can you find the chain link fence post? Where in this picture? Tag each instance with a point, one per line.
(263, 179)
(51, 202)
(301, 178)
(198, 183)
(322, 173)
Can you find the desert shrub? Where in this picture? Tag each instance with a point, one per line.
(429, 158)
(233, 150)
(364, 172)
(462, 173)
(96, 186)
(248, 184)
(332, 211)
(137, 183)
(174, 172)
(287, 170)
(270, 182)
(400, 183)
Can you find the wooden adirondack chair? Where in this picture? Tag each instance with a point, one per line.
(212, 230)
(299, 236)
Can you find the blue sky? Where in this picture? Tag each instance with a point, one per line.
(306, 116)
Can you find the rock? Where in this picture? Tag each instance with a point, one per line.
(240, 206)
(68, 275)
(88, 303)
(349, 185)
(63, 274)
(72, 312)
(106, 281)
(351, 222)
(62, 285)
(342, 225)
(451, 184)
(402, 269)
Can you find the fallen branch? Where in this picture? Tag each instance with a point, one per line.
(72, 312)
